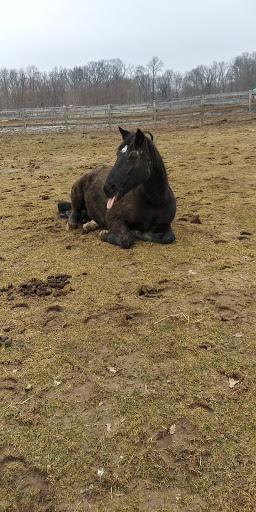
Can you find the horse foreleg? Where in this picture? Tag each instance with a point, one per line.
(160, 238)
(118, 232)
(125, 240)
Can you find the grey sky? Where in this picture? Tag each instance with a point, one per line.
(70, 33)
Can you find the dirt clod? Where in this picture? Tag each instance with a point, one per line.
(6, 328)
(8, 342)
(28, 388)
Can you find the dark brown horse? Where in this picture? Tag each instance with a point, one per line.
(132, 195)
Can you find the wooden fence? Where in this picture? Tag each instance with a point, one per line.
(76, 117)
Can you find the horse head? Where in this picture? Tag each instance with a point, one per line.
(132, 166)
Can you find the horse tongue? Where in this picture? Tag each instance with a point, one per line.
(110, 202)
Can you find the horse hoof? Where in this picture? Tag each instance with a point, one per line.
(89, 226)
(70, 226)
(103, 235)
(126, 241)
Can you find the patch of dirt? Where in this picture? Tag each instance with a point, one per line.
(119, 314)
(231, 303)
(130, 385)
(53, 318)
(32, 486)
(174, 443)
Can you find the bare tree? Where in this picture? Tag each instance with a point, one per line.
(154, 66)
(242, 72)
(219, 72)
(166, 84)
(111, 81)
(5, 92)
(143, 82)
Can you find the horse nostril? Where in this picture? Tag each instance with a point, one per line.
(109, 189)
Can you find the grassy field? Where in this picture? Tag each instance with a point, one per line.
(131, 386)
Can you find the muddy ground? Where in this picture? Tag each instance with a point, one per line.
(127, 377)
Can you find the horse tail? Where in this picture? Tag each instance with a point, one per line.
(64, 209)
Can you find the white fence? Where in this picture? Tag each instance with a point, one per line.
(79, 117)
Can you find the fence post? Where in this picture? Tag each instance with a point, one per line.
(154, 110)
(202, 109)
(24, 120)
(250, 102)
(66, 118)
(109, 117)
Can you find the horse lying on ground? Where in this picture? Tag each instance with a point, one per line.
(134, 194)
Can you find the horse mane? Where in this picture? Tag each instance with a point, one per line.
(150, 134)
(156, 158)
(149, 146)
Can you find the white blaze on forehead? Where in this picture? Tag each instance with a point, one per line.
(124, 149)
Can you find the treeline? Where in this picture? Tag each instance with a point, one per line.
(112, 81)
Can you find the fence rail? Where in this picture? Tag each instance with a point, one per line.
(75, 117)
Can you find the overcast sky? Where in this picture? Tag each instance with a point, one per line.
(68, 33)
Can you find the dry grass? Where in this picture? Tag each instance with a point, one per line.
(129, 403)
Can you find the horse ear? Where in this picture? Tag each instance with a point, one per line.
(139, 138)
(150, 134)
(124, 133)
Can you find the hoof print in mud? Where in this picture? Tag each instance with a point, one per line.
(148, 291)
(193, 219)
(53, 318)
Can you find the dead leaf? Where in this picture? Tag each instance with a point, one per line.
(232, 382)
(111, 369)
(172, 429)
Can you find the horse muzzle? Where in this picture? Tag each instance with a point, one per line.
(110, 190)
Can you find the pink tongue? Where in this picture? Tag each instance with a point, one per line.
(110, 202)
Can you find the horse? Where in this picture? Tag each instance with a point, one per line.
(133, 195)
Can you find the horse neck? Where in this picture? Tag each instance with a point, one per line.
(156, 187)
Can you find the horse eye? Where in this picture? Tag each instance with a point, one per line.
(133, 155)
